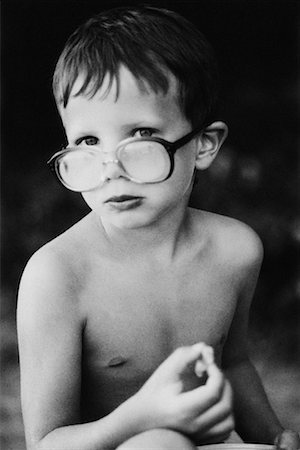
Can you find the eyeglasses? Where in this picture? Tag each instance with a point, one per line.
(143, 160)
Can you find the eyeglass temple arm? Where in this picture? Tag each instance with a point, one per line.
(185, 139)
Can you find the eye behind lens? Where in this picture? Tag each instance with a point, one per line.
(146, 161)
(78, 170)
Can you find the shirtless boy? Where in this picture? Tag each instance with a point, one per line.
(112, 313)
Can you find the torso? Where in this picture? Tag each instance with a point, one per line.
(137, 314)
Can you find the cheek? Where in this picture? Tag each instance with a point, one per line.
(179, 184)
(184, 170)
(90, 199)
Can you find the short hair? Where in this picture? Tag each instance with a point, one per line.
(151, 42)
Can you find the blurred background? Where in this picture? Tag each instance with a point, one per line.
(254, 179)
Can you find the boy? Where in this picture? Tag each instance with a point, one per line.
(112, 313)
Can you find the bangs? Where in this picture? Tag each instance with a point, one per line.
(95, 63)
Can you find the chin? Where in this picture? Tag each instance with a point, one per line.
(130, 223)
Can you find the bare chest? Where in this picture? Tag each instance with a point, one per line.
(135, 322)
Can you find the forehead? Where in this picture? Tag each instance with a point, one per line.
(129, 98)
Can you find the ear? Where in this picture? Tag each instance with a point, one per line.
(210, 141)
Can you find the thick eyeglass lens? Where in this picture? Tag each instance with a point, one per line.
(145, 161)
(79, 170)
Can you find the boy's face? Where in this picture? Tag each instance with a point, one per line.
(102, 122)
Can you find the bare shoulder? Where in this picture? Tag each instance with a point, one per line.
(61, 254)
(51, 280)
(233, 240)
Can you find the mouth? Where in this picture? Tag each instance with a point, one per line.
(122, 198)
(124, 202)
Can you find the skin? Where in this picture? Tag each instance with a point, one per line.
(110, 312)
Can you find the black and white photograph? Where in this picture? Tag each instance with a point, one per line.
(150, 283)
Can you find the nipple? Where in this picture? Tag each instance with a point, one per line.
(117, 361)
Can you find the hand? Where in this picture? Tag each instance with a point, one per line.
(287, 440)
(174, 398)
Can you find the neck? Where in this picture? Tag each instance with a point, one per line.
(161, 240)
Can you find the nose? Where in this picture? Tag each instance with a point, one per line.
(112, 170)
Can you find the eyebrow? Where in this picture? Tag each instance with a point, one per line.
(147, 123)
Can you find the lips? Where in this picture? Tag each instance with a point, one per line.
(123, 202)
(122, 198)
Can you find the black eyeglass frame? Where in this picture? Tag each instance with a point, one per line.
(170, 147)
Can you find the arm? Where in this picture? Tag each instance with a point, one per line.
(50, 332)
(255, 419)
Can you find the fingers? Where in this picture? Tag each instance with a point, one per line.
(288, 440)
(184, 357)
(216, 424)
(189, 356)
(219, 432)
(213, 405)
(205, 359)
(205, 396)
(218, 413)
